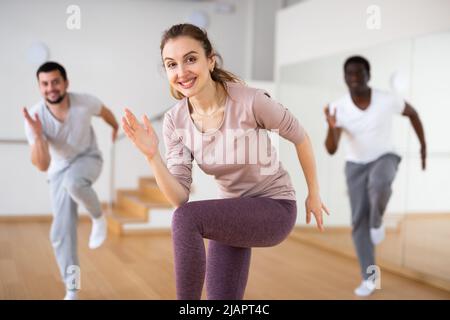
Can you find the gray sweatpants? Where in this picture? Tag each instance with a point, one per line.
(369, 188)
(69, 188)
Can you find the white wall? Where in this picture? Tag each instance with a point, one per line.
(114, 56)
(262, 41)
(430, 93)
(313, 40)
(315, 28)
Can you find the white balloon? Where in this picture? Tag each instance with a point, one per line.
(399, 83)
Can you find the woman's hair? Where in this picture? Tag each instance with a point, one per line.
(189, 30)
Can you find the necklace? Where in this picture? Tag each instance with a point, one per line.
(210, 115)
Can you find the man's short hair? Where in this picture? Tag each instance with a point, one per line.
(51, 66)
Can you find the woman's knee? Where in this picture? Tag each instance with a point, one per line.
(183, 216)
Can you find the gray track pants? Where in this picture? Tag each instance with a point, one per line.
(69, 188)
(369, 187)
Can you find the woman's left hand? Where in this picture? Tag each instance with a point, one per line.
(315, 206)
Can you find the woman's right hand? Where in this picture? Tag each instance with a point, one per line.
(143, 135)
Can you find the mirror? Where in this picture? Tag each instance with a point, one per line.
(418, 214)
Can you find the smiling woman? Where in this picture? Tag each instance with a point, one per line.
(257, 205)
(202, 59)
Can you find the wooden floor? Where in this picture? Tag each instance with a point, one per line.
(141, 267)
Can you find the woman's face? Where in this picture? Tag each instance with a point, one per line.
(186, 64)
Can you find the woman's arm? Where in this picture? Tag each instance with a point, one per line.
(313, 203)
(271, 115)
(169, 185)
(146, 140)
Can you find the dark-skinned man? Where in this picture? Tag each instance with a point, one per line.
(364, 115)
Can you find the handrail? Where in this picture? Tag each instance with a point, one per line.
(13, 141)
(112, 173)
(120, 137)
(158, 117)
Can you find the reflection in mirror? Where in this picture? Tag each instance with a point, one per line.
(417, 217)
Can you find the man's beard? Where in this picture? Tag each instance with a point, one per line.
(61, 98)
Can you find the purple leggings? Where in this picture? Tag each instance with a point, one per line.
(233, 226)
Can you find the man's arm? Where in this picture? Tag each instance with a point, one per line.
(333, 134)
(110, 119)
(40, 155)
(413, 116)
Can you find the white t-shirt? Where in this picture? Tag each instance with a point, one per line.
(369, 131)
(70, 138)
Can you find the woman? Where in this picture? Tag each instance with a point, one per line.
(212, 122)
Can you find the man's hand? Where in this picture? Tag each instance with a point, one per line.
(40, 156)
(114, 133)
(331, 118)
(423, 156)
(36, 125)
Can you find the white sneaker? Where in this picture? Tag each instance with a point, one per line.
(366, 288)
(71, 295)
(377, 234)
(98, 233)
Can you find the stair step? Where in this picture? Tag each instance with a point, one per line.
(118, 223)
(117, 218)
(151, 181)
(136, 204)
(145, 201)
(133, 205)
(127, 201)
(150, 191)
(147, 180)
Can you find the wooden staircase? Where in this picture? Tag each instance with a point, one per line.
(134, 206)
